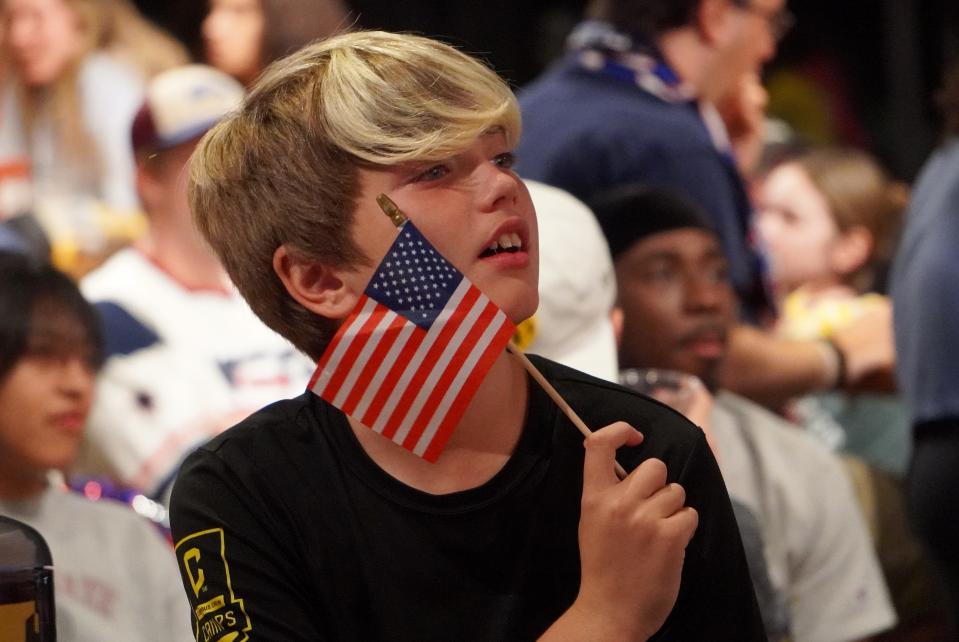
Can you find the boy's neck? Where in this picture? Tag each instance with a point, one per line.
(480, 446)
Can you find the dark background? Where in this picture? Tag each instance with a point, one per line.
(880, 61)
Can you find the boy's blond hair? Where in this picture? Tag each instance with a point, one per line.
(284, 169)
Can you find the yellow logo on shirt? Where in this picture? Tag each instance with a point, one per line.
(218, 615)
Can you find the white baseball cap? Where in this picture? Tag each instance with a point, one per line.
(577, 286)
(182, 104)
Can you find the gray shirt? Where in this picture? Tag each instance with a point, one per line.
(114, 575)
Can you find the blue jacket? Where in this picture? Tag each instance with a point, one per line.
(587, 132)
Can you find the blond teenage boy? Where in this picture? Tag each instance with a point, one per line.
(302, 524)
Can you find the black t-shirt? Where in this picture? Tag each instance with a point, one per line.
(286, 530)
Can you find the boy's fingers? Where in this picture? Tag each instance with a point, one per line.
(684, 521)
(667, 501)
(599, 468)
(648, 478)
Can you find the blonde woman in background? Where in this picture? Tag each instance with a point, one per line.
(76, 72)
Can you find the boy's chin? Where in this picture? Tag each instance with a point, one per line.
(522, 310)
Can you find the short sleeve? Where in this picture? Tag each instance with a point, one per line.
(717, 593)
(241, 571)
(836, 588)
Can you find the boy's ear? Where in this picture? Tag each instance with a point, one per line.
(851, 250)
(316, 286)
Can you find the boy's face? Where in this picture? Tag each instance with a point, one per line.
(44, 403)
(677, 303)
(464, 205)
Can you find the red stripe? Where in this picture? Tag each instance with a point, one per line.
(349, 357)
(365, 379)
(331, 348)
(389, 381)
(426, 366)
(472, 383)
(456, 363)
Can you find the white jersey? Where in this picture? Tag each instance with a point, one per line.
(114, 575)
(182, 365)
(818, 550)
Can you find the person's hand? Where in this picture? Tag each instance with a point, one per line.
(868, 349)
(743, 111)
(683, 392)
(632, 538)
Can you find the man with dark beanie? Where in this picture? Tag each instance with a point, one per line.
(678, 305)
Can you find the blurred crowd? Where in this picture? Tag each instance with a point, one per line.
(790, 297)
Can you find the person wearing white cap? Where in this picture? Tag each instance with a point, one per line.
(577, 286)
(577, 324)
(185, 356)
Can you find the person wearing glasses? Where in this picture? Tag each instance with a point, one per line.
(633, 101)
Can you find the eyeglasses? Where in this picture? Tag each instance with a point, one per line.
(780, 22)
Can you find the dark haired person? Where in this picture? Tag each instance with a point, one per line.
(635, 99)
(677, 307)
(114, 575)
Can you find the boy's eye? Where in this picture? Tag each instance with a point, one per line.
(506, 160)
(433, 173)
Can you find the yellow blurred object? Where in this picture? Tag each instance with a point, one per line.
(525, 333)
(84, 234)
(806, 318)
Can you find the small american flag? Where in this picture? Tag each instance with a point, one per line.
(409, 358)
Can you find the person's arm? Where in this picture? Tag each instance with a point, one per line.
(633, 536)
(770, 370)
(238, 561)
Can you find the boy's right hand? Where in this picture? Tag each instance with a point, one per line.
(632, 538)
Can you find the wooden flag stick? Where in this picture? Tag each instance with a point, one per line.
(391, 210)
(555, 396)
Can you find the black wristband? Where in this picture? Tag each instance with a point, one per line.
(840, 365)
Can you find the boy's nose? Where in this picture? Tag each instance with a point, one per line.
(498, 188)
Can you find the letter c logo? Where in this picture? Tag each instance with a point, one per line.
(196, 581)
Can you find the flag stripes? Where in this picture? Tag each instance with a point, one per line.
(408, 383)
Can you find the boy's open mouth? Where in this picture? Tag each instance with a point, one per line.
(506, 243)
